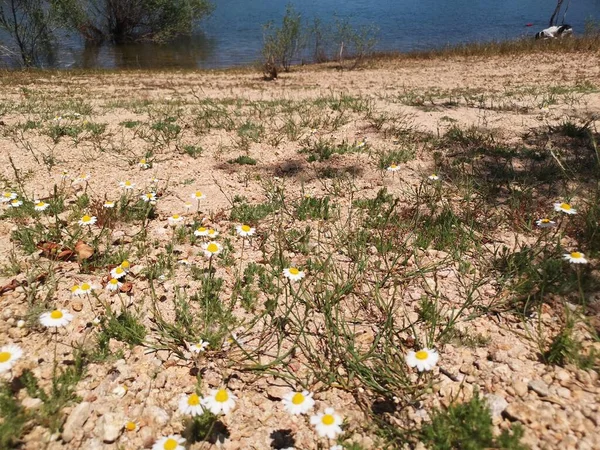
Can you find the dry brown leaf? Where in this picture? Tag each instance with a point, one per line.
(126, 287)
(83, 250)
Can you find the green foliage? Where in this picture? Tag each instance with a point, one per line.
(281, 45)
(243, 160)
(468, 426)
(13, 418)
(193, 150)
(313, 208)
(244, 212)
(125, 328)
(322, 150)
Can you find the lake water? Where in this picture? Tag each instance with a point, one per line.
(233, 34)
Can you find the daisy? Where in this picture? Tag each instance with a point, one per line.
(245, 230)
(293, 273)
(56, 318)
(564, 207)
(575, 258)
(8, 196)
(86, 288)
(201, 231)
(191, 405)
(113, 285)
(109, 204)
(87, 220)
(127, 185)
(199, 347)
(81, 178)
(131, 426)
(219, 401)
(171, 442)
(545, 223)
(393, 168)
(8, 356)
(76, 290)
(64, 175)
(187, 205)
(198, 195)
(175, 219)
(328, 424)
(298, 402)
(212, 233)
(120, 390)
(144, 163)
(125, 265)
(149, 197)
(15, 203)
(433, 177)
(40, 205)
(424, 359)
(154, 180)
(118, 272)
(211, 249)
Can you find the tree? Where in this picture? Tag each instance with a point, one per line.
(281, 45)
(132, 20)
(29, 24)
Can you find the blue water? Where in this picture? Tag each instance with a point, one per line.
(233, 34)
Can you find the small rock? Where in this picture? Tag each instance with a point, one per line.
(520, 388)
(496, 404)
(76, 420)
(539, 387)
(519, 411)
(77, 305)
(109, 427)
(32, 403)
(157, 416)
(563, 392)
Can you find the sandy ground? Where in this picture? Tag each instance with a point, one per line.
(507, 96)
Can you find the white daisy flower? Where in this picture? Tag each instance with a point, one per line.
(86, 288)
(175, 219)
(40, 205)
(8, 196)
(198, 195)
(424, 359)
(327, 424)
(144, 163)
(154, 180)
(293, 273)
(433, 177)
(120, 391)
(564, 207)
(64, 175)
(201, 231)
(393, 168)
(118, 272)
(81, 178)
(108, 204)
(245, 230)
(130, 425)
(127, 185)
(8, 356)
(56, 318)
(125, 265)
(15, 203)
(211, 249)
(219, 401)
(191, 405)
(171, 442)
(575, 258)
(87, 220)
(298, 402)
(212, 233)
(187, 205)
(149, 197)
(113, 285)
(199, 347)
(545, 223)
(76, 290)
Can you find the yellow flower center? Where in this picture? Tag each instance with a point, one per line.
(294, 271)
(245, 228)
(565, 206)
(6, 195)
(128, 183)
(56, 314)
(40, 204)
(142, 161)
(130, 426)
(86, 218)
(4, 356)
(328, 419)
(119, 270)
(198, 194)
(201, 230)
(148, 195)
(393, 166)
(545, 220)
(576, 255)
(113, 281)
(125, 264)
(211, 231)
(75, 288)
(298, 398)
(175, 216)
(85, 287)
(170, 444)
(221, 396)
(193, 400)
(212, 248)
(422, 354)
